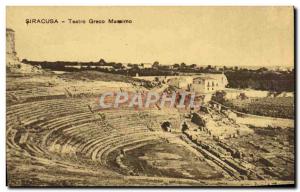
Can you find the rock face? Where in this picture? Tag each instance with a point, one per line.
(11, 54)
(220, 124)
(13, 64)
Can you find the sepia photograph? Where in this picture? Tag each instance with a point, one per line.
(150, 96)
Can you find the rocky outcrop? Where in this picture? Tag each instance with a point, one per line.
(13, 64)
(220, 124)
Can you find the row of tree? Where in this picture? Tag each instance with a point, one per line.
(261, 79)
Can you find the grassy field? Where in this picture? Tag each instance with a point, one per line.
(106, 77)
(282, 107)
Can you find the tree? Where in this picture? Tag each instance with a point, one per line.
(219, 96)
(102, 62)
(24, 61)
(155, 64)
(262, 69)
(176, 66)
(208, 67)
(182, 65)
(193, 66)
(243, 96)
(118, 65)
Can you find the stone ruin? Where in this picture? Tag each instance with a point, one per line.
(13, 64)
(219, 124)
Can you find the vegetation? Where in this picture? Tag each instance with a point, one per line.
(107, 77)
(259, 79)
(282, 107)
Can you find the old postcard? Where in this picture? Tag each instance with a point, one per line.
(150, 96)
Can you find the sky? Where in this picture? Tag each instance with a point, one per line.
(233, 36)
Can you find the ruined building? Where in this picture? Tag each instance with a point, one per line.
(13, 63)
(11, 54)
